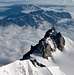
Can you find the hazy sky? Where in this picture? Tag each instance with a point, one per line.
(65, 2)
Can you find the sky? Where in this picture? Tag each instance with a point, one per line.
(57, 2)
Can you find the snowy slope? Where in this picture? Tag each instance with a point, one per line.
(26, 68)
(63, 64)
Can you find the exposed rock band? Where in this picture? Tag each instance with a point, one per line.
(48, 44)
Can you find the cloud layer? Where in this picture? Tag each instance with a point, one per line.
(57, 2)
(16, 41)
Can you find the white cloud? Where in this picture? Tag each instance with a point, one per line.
(15, 41)
(59, 2)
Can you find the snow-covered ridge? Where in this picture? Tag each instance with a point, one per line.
(27, 68)
(63, 64)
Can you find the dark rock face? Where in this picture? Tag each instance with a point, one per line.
(56, 37)
(60, 41)
(44, 49)
(27, 55)
(37, 50)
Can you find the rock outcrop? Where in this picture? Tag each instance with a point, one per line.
(45, 47)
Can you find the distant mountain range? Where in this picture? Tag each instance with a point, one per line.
(31, 15)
